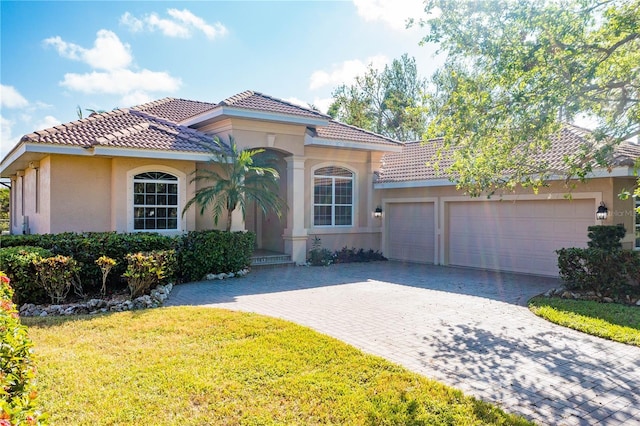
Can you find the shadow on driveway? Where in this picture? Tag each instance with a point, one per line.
(499, 286)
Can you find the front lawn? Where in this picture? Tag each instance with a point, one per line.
(608, 320)
(203, 366)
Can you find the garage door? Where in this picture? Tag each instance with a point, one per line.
(519, 236)
(410, 232)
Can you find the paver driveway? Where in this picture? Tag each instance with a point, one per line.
(466, 328)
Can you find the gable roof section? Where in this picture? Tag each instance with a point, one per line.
(123, 129)
(257, 101)
(414, 162)
(175, 110)
(340, 134)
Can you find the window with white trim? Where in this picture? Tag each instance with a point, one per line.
(637, 222)
(155, 201)
(333, 197)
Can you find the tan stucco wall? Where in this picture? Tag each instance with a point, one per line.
(605, 189)
(80, 194)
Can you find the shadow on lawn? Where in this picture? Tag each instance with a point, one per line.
(579, 386)
(505, 287)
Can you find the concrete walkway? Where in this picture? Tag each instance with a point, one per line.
(467, 328)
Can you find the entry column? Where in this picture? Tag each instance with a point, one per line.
(295, 235)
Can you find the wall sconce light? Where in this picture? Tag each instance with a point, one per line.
(602, 212)
(377, 212)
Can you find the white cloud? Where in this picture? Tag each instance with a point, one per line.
(107, 53)
(393, 13)
(11, 98)
(47, 122)
(121, 82)
(346, 72)
(110, 60)
(321, 103)
(180, 24)
(188, 18)
(136, 98)
(8, 140)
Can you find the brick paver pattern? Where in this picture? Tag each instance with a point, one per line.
(466, 328)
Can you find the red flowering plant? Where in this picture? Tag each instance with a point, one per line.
(17, 390)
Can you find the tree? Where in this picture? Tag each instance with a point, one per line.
(388, 102)
(4, 209)
(516, 70)
(236, 178)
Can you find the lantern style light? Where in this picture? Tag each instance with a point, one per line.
(377, 212)
(602, 212)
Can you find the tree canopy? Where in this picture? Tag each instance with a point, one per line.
(388, 101)
(516, 70)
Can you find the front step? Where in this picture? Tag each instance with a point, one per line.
(271, 261)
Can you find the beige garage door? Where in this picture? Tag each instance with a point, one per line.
(410, 232)
(517, 236)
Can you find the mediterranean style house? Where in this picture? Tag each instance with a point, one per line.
(130, 170)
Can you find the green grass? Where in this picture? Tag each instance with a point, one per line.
(608, 320)
(201, 366)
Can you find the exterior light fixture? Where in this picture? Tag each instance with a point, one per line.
(377, 212)
(602, 212)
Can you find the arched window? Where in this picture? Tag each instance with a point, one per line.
(332, 197)
(155, 201)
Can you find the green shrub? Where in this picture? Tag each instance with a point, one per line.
(608, 272)
(17, 262)
(105, 264)
(606, 237)
(17, 390)
(319, 256)
(87, 247)
(212, 252)
(147, 270)
(56, 275)
(352, 255)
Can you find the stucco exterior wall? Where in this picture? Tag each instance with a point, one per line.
(80, 194)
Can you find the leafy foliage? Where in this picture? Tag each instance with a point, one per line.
(204, 252)
(17, 372)
(86, 248)
(388, 102)
(516, 70)
(606, 237)
(17, 262)
(4, 209)
(604, 267)
(56, 275)
(237, 177)
(318, 255)
(105, 264)
(147, 270)
(346, 255)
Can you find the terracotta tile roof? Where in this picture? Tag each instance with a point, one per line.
(414, 162)
(123, 128)
(260, 102)
(344, 132)
(175, 110)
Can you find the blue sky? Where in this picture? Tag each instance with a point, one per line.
(104, 54)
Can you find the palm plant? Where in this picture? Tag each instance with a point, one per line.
(238, 177)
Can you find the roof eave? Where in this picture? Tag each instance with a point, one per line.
(11, 163)
(337, 143)
(227, 111)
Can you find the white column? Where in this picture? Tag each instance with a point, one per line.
(237, 221)
(295, 235)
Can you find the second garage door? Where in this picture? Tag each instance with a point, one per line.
(410, 232)
(519, 236)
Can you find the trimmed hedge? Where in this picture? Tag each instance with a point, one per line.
(17, 262)
(17, 389)
(204, 252)
(604, 267)
(198, 253)
(87, 247)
